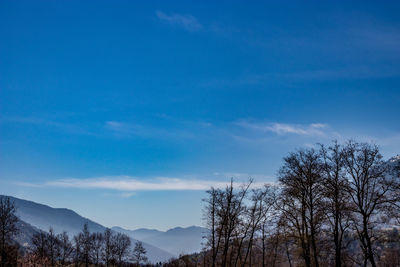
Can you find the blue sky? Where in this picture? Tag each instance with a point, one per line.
(127, 111)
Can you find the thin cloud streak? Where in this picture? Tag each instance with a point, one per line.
(313, 129)
(69, 128)
(306, 76)
(188, 22)
(126, 129)
(177, 130)
(129, 184)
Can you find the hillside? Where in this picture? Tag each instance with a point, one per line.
(34, 215)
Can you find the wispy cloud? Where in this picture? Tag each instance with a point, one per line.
(129, 129)
(164, 128)
(305, 76)
(128, 184)
(176, 130)
(119, 194)
(188, 22)
(123, 128)
(376, 35)
(66, 127)
(313, 129)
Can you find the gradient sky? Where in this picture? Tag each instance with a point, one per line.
(126, 111)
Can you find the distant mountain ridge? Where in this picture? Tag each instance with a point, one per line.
(139, 234)
(177, 240)
(60, 219)
(34, 217)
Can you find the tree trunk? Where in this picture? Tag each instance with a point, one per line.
(369, 251)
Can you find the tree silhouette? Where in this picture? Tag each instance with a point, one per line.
(8, 228)
(139, 253)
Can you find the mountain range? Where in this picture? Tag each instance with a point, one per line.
(160, 245)
(176, 241)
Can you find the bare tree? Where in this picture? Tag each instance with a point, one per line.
(8, 227)
(262, 201)
(371, 192)
(301, 200)
(84, 246)
(77, 249)
(122, 244)
(40, 245)
(267, 211)
(336, 197)
(108, 254)
(222, 214)
(53, 247)
(210, 216)
(97, 247)
(231, 207)
(393, 174)
(139, 253)
(66, 248)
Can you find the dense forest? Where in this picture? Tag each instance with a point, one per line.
(335, 205)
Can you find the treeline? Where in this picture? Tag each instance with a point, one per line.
(329, 208)
(50, 249)
(85, 249)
